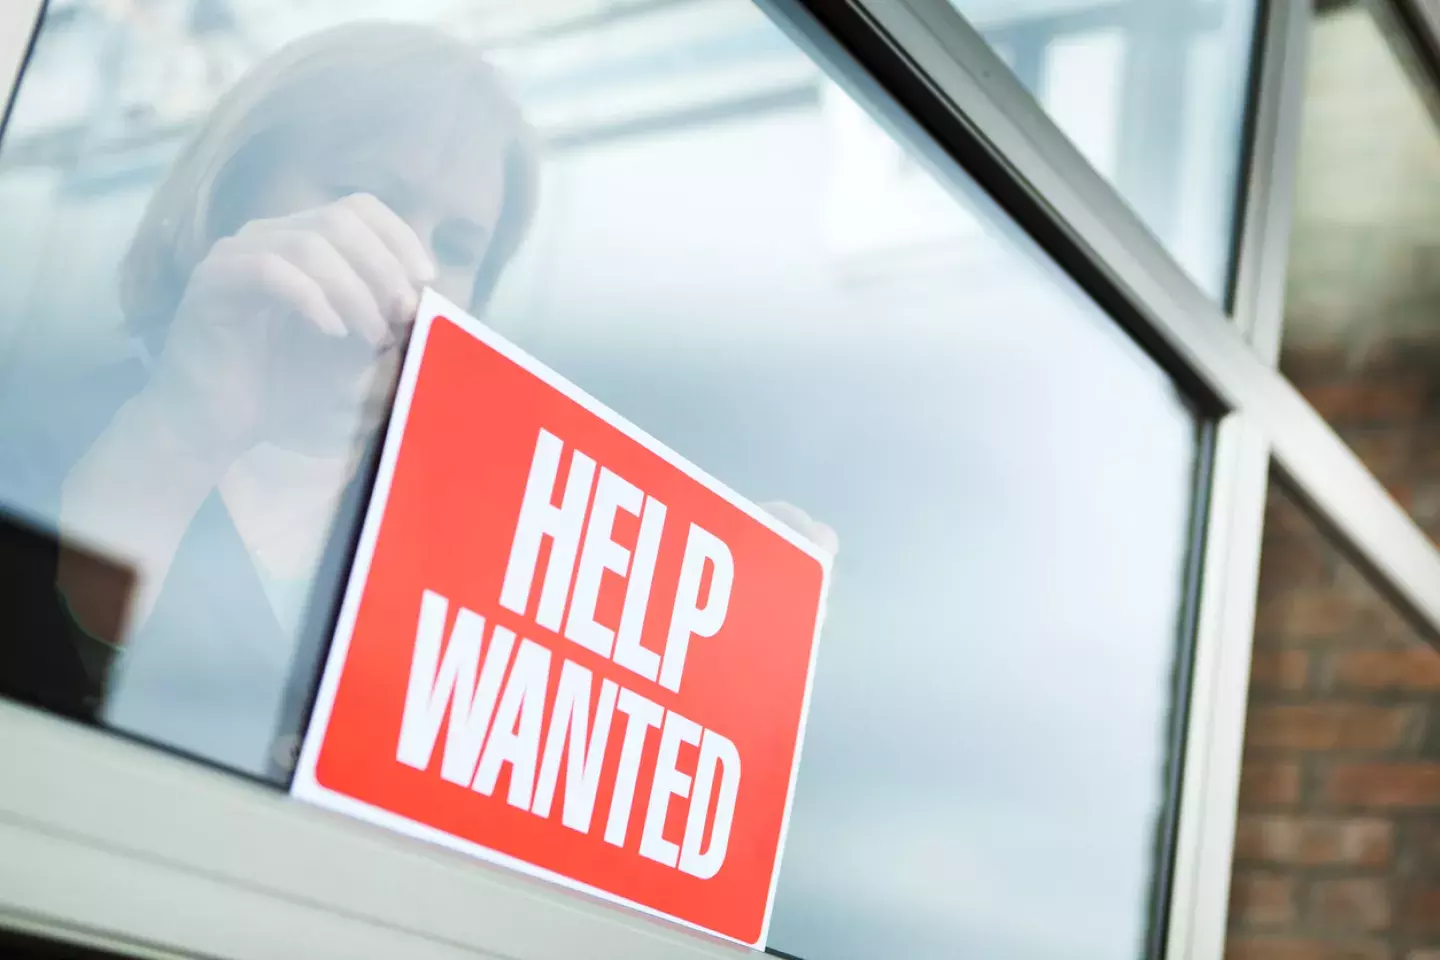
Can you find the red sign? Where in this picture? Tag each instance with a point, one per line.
(564, 648)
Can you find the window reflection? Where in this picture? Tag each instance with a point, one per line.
(1362, 301)
(1337, 839)
(265, 289)
(1153, 94)
(730, 251)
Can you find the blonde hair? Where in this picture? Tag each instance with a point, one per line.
(339, 90)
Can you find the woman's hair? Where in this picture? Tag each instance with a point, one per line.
(346, 91)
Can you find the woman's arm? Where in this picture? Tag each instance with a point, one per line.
(131, 497)
(351, 270)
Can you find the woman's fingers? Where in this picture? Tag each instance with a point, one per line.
(395, 233)
(825, 537)
(313, 254)
(396, 293)
(820, 534)
(367, 262)
(283, 281)
(347, 292)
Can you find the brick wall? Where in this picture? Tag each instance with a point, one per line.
(1338, 839)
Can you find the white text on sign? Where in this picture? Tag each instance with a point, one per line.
(495, 688)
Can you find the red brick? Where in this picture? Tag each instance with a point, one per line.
(1327, 726)
(1305, 615)
(1422, 911)
(1412, 669)
(1385, 451)
(1262, 899)
(1280, 669)
(1427, 456)
(1287, 948)
(1384, 785)
(1362, 402)
(1402, 493)
(1285, 517)
(1315, 360)
(1314, 841)
(1350, 904)
(1266, 783)
(1287, 562)
(1375, 621)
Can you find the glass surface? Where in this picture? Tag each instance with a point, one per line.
(1337, 844)
(1362, 309)
(726, 247)
(1154, 94)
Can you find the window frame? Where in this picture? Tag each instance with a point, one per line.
(19, 24)
(159, 867)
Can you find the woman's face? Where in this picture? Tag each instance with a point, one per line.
(451, 198)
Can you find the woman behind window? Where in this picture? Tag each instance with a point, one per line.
(272, 281)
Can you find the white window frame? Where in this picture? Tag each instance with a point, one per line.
(1263, 420)
(116, 844)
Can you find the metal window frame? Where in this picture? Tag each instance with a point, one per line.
(1042, 180)
(19, 23)
(132, 849)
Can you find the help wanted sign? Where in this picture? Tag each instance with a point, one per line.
(565, 649)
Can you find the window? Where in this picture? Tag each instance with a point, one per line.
(1153, 93)
(1338, 841)
(1361, 330)
(755, 258)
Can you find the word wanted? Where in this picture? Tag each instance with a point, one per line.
(495, 684)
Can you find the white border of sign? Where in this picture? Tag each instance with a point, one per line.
(304, 786)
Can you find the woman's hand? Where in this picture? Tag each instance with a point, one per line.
(820, 534)
(286, 329)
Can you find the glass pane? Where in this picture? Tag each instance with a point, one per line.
(1337, 847)
(1154, 94)
(754, 257)
(1362, 310)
